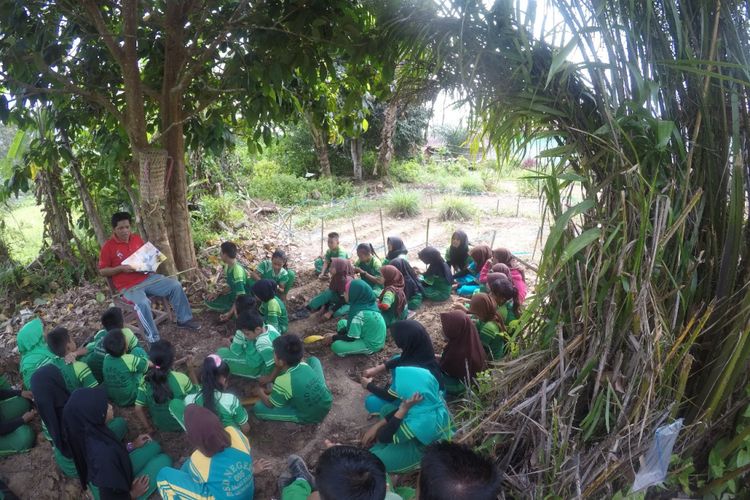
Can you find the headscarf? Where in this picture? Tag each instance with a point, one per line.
(429, 420)
(485, 308)
(265, 290)
(397, 248)
(464, 349)
(204, 431)
(344, 273)
(33, 349)
(394, 282)
(413, 287)
(436, 265)
(416, 348)
(501, 268)
(50, 396)
(481, 254)
(100, 458)
(504, 256)
(458, 257)
(361, 298)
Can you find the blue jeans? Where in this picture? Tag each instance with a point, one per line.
(157, 285)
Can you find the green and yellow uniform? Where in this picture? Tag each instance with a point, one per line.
(389, 315)
(299, 395)
(76, 374)
(12, 408)
(236, 277)
(284, 279)
(436, 288)
(330, 254)
(95, 357)
(493, 338)
(33, 349)
(227, 407)
(123, 376)
(251, 358)
(368, 330)
(180, 385)
(274, 314)
(372, 268)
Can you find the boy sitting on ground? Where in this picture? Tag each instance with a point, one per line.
(75, 374)
(250, 352)
(123, 372)
(276, 269)
(323, 263)
(93, 352)
(236, 277)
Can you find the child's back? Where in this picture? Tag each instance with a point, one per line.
(180, 387)
(228, 407)
(305, 390)
(123, 372)
(95, 357)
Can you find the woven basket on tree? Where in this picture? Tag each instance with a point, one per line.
(153, 164)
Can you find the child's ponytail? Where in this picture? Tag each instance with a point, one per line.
(214, 368)
(161, 355)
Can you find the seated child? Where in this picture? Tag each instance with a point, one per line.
(323, 263)
(33, 349)
(123, 372)
(16, 435)
(160, 387)
(93, 353)
(413, 288)
(242, 303)
(226, 406)
(331, 301)
(458, 258)
(436, 281)
(75, 374)
(342, 472)
(368, 266)
(453, 471)
(506, 297)
(490, 325)
(363, 331)
(392, 300)
(250, 353)
(271, 307)
(396, 250)
(220, 467)
(463, 355)
(236, 277)
(276, 269)
(481, 255)
(299, 392)
(422, 418)
(517, 275)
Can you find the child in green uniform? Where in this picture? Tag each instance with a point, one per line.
(490, 325)
(250, 353)
(271, 307)
(396, 250)
(392, 300)
(276, 269)
(413, 288)
(123, 372)
(458, 258)
(226, 406)
(236, 277)
(368, 266)
(363, 332)
(323, 263)
(506, 298)
(331, 301)
(463, 355)
(160, 387)
(452, 470)
(15, 414)
(436, 281)
(93, 353)
(33, 349)
(76, 374)
(299, 392)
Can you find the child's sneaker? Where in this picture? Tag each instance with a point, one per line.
(303, 313)
(299, 470)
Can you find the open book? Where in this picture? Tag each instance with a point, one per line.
(146, 259)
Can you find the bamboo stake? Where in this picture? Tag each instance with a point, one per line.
(321, 237)
(494, 233)
(518, 204)
(427, 237)
(356, 240)
(382, 231)
(497, 207)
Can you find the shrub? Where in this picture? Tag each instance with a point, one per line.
(403, 203)
(452, 208)
(529, 186)
(264, 168)
(286, 189)
(406, 171)
(490, 180)
(472, 185)
(214, 215)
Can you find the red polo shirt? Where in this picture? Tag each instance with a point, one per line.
(114, 252)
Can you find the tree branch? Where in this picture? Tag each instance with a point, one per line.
(95, 16)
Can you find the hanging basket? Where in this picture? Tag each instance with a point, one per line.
(153, 165)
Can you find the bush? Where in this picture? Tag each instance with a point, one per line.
(286, 189)
(406, 171)
(214, 215)
(452, 208)
(403, 203)
(472, 185)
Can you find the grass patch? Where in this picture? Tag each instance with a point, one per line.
(310, 217)
(472, 185)
(23, 229)
(452, 208)
(403, 203)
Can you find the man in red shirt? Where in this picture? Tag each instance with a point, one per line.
(138, 287)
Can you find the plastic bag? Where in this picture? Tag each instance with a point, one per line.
(655, 463)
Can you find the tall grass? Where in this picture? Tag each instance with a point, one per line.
(404, 203)
(454, 208)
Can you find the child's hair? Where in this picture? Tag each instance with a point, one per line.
(249, 320)
(57, 341)
(350, 472)
(333, 235)
(112, 318)
(114, 343)
(161, 355)
(501, 268)
(366, 248)
(279, 254)
(452, 471)
(289, 348)
(505, 289)
(244, 303)
(229, 249)
(214, 368)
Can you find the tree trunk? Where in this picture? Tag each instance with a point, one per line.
(56, 224)
(357, 148)
(89, 207)
(385, 152)
(320, 143)
(153, 165)
(129, 170)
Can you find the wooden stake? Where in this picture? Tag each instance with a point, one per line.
(356, 240)
(518, 204)
(321, 237)
(382, 231)
(494, 233)
(430, 200)
(427, 237)
(497, 207)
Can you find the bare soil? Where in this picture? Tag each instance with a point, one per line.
(34, 475)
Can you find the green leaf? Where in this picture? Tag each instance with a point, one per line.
(100, 298)
(560, 58)
(579, 243)
(562, 223)
(365, 124)
(664, 130)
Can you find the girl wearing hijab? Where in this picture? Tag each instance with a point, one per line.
(481, 256)
(15, 413)
(271, 307)
(413, 289)
(506, 296)
(111, 469)
(368, 266)
(396, 250)
(421, 419)
(221, 467)
(458, 258)
(463, 356)
(392, 300)
(50, 396)
(416, 350)
(436, 281)
(331, 301)
(33, 349)
(490, 325)
(363, 331)
(517, 274)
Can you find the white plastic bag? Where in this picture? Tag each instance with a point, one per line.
(655, 463)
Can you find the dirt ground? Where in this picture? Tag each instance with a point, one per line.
(34, 475)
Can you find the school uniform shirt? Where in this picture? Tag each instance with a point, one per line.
(492, 338)
(331, 254)
(389, 315)
(229, 473)
(76, 374)
(123, 376)
(305, 391)
(228, 408)
(265, 270)
(437, 287)
(372, 268)
(236, 277)
(180, 385)
(274, 314)
(95, 357)
(258, 352)
(369, 326)
(114, 252)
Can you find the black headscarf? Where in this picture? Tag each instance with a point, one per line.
(436, 265)
(100, 457)
(459, 257)
(413, 287)
(50, 396)
(265, 290)
(397, 248)
(416, 348)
